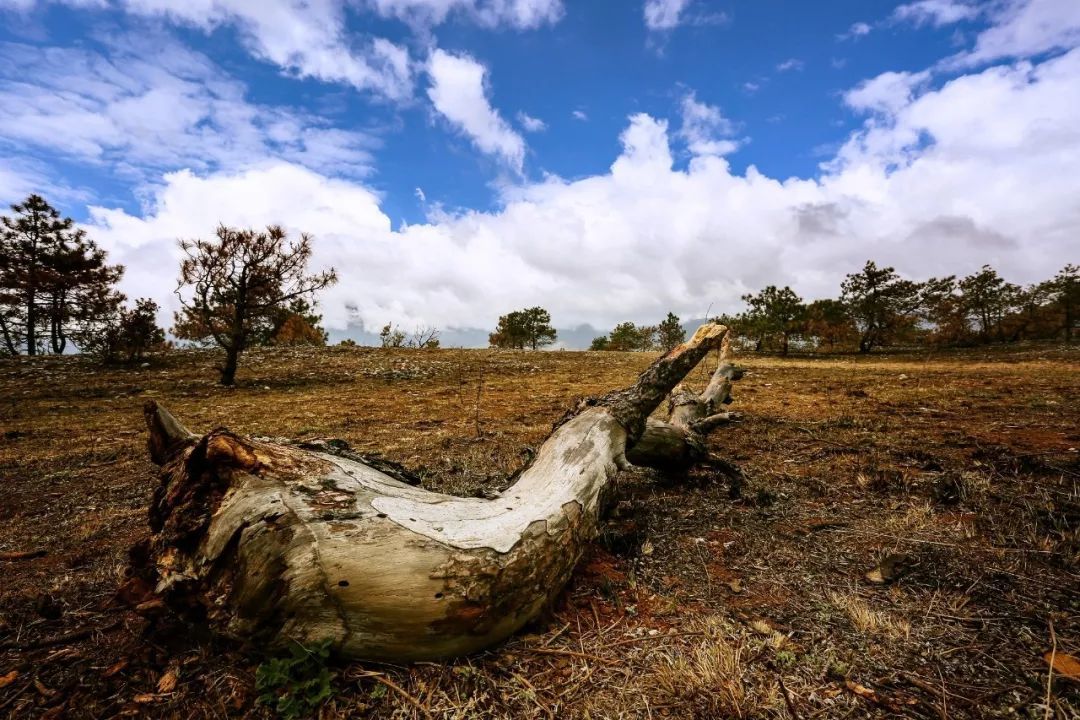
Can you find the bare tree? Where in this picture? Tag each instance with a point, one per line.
(424, 337)
(239, 282)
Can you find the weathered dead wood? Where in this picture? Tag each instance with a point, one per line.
(270, 542)
(677, 444)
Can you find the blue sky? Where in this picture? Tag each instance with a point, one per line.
(610, 160)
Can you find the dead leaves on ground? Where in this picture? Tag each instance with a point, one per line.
(892, 567)
(1063, 665)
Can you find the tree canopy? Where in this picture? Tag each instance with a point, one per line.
(880, 302)
(234, 286)
(529, 328)
(55, 283)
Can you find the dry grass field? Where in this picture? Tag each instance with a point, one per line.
(954, 478)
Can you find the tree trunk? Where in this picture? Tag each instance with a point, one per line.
(56, 327)
(31, 320)
(1068, 318)
(9, 341)
(273, 542)
(232, 360)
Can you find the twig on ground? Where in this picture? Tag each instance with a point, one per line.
(535, 694)
(65, 638)
(788, 700)
(568, 653)
(1050, 672)
(380, 677)
(24, 555)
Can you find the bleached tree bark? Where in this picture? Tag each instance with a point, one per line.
(270, 542)
(679, 443)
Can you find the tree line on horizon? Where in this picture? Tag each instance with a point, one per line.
(878, 308)
(244, 288)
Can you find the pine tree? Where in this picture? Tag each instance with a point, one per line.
(54, 280)
(295, 324)
(774, 312)
(127, 335)
(828, 321)
(239, 282)
(988, 299)
(880, 302)
(670, 332)
(523, 328)
(1065, 290)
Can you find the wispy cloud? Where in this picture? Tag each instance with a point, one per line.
(705, 128)
(856, 31)
(936, 12)
(664, 14)
(531, 124)
(458, 93)
(144, 104)
(521, 14)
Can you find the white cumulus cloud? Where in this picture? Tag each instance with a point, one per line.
(307, 38)
(887, 92)
(1024, 28)
(980, 170)
(459, 93)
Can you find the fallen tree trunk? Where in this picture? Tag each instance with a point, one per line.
(678, 444)
(270, 542)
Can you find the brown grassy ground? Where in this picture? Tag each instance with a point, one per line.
(961, 468)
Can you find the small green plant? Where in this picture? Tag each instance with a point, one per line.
(297, 685)
(785, 658)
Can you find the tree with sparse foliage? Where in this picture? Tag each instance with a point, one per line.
(670, 332)
(391, 336)
(54, 280)
(231, 287)
(128, 335)
(1034, 314)
(881, 303)
(529, 328)
(294, 324)
(829, 323)
(941, 304)
(424, 337)
(775, 313)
